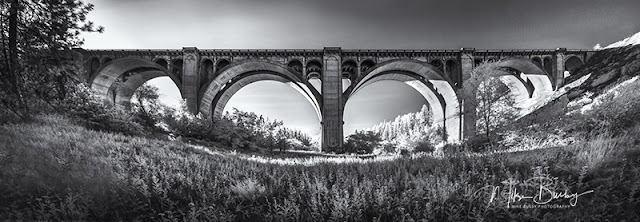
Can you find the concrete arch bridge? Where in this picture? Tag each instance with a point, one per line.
(208, 78)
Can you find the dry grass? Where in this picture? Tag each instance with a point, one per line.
(55, 170)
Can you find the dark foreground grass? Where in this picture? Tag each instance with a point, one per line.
(54, 170)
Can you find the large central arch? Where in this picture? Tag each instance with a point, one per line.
(429, 81)
(138, 72)
(218, 91)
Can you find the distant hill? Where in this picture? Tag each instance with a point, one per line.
(632, 40)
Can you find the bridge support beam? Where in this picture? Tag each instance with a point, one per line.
(467, 109)
(332, 108)
(558, 68)
(191, 77)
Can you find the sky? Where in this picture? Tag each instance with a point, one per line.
(371, 24)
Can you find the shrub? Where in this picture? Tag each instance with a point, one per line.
(424, 146)
(405, 152)
(388, 147)
(362, 142)
(478, 143)
(88, 109)
(451, 149)
(222, 131)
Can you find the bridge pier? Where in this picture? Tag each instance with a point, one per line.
(332, 108)
(557, 75)
(191, 77)
(468, 110)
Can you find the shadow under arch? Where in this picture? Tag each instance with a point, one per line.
(572, 63)
(526, 78)
(429, 81)
(218, 91)
(141, 70)
(125, 91)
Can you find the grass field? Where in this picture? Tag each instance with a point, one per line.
(53, 169)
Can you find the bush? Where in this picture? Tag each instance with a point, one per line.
(88, 109)
(362, 142)
(451, 149)
(405, 152)
(424, 146)
(478, 143)
(222, 131)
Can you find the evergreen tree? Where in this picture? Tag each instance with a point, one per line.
(37, 65)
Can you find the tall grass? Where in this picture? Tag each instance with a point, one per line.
(55, 170)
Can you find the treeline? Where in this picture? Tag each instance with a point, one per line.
(412, 132)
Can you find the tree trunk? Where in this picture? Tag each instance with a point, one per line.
(14, 69)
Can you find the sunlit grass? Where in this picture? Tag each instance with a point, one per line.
(53, 169)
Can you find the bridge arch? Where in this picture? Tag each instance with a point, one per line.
(129, 74)
(218, 91)
(176, 66)
(207, 70)
(106, 60)
(526, 78)
(366, 64)
(572, 63)
(452, 70)
(349, 69)
(438, 64)
(429, 81)
(162, 62)
(314, 69)
(537, 61)
(547, 63)
(94, 65)
(221, 64)
(296, 65)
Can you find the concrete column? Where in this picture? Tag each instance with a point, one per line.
(467, 105)
(466, 63)
(332, 108)
(558, 68)
(190, 77)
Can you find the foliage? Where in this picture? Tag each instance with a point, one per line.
(87, 175)
(362, 142)
(147, 108)
(238, 130)
(407, 132)
(424, 146)
(493, 100)
(37, 66)
(89, 110)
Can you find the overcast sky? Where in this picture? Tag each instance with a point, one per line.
(372, 24)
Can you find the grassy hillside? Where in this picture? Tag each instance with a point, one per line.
(55, 170)
(607, 68)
